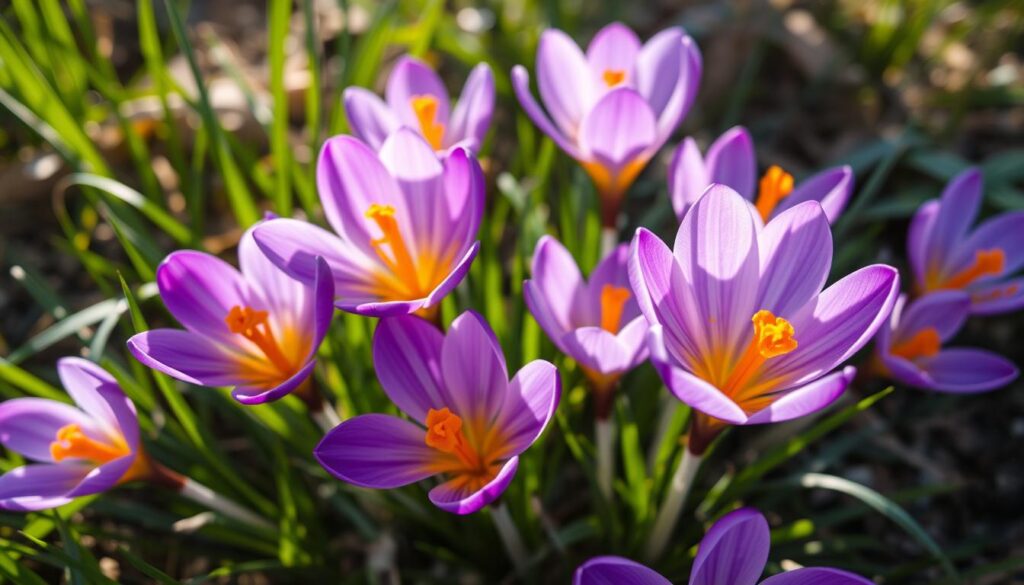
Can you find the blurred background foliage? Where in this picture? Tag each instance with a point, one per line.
(130, 129)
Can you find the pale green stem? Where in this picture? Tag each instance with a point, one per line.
(604, 437)
(510, 537)
(668, 514)
(208, 498)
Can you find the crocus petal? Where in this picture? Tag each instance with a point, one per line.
(521, 86)
(633, 337)
(999, 297)
(93, 390)
(250, 395)
(453, 279)
(1004, 232)
(188, 357)
(734, 550)
(200, 289)
(918, 236)
(685, 88)
(376, 451)
(410, 78)
(687, 177)
(415, 166)
(103, 477)
(407, 359)
(39, 487)
(731, 161)
(618, 128)
(958, 208)
(796, 255)
(616, 571)
(373, 307)
(564, 80)
(961, 370)
(368, 116)
(806, 399)
(597, 349)
(613, 270)
(816, 576)
(945, 311)
(555, 289)
(29, 425)
(454, 496)
(614, 48)
(530, 402)
(472, 114)
(474, 372)
(831, 188)
(659, 66)
(464, 200)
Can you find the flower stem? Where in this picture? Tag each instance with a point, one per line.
(203, 495)
(668, 406)
(609, 239)
(604, 437)
(326, 417)
(510, 537)
(679, 487)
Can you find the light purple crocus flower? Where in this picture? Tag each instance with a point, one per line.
(406, 225)
(734, 552)
(612, 108)
(731, 161)
(468, 423)
(417, 99)
(256, 329)
(741, 328)
(595, 322)
(945, 254)
(79, 450)
(910, 349)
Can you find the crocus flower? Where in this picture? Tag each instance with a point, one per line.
(595, 322)
(79, 451)
(406, 224)
(417, 99)
(741, 328)
(255, 329)
(910, 349)
(614, 107)
(734, 552)
(731, 161)
(945, 254)
(467, 421)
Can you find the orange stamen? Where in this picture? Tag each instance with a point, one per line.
(613, 301)
(613, 77)
(444, 433)
(773, 336)
(986, 263)
(776, 185)
(996, 294)
(254, 326)
(72, 442)
(400, 261)
(924, 343)
(425, 107)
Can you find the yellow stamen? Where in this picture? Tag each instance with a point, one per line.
(924, 343)
(253, 325)
(613, 77)
(986, 263)
(776, 185)
(773, 336)
(425, 107)
(613, 301)
(400, 262)
(72, 442)
(444, 433)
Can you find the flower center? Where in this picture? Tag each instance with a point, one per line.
(773, 336)
(613, 77)
(72, 442)
(986, 263)
(253, 325)
(613, 301)
(444, 433)
(924, 343)
(776, 185)
(425, 107)
(399, 261)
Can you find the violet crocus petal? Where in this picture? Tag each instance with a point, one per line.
(371, 307)
(619, 127)
(564, 80)
(40, 486)
(1004, 232)
(684, 92)
(816, 576)
(187, 356)
(464, 197)
(530, 403)
(613, 270)
(796, 255)
(918, 237)
(458, 272)
(805, 399)
(688, 388)
(962, 370)
(597, 349)
(472, 114)
(831, 188)
(633, 336)
(200, 289)
(659, 66)
(250, 395)
(945, 311)
(614, 48)
(731, 161)
(410, 78)
(734, 550)
(407, 359)
(999, 297)
(906, 372)
(721, 265)
(687, 177)
(95, 391)
(454, 496)
(555, 289)
(376, 451)
(959, 206)
(103, 477)
(368, 116)
(521, 86)
(28, 426)
(616, 571)
(474, 373)
(414, 165)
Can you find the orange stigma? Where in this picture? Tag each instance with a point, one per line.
(400, 261)
(444, 433)
(924, 343)
(773, 336)
(986, 263)
(72, 442)
(776, 185)
(425, 108)
(613, 301)
(254, 326)
(613, 77)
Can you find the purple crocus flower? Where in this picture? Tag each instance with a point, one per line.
(910, 347)
(468, 422)
(406, 224)
(741, 328)
(595, 322)
(615, 106)
(417, 99)
(80, 451)
(734, 552)
(945, 254)
(731, 161)
(255, 329)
